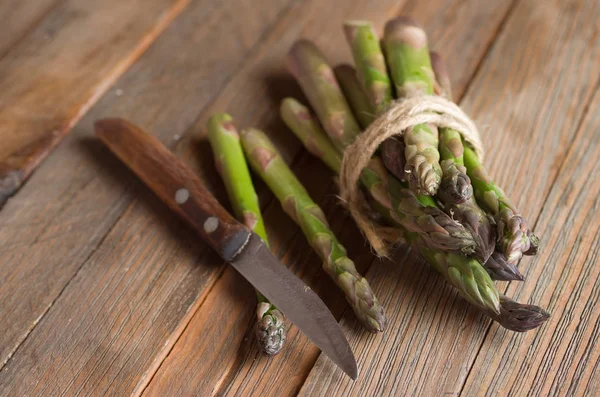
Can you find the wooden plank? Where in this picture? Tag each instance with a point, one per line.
(245, 370)
(52, 76)
(563, 357)
(17, 17)
(58, 219)
(530, 88)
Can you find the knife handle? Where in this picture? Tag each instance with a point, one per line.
(175, 184)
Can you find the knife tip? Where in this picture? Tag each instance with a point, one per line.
(350, 369)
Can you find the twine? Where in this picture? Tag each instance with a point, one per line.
(402, 114)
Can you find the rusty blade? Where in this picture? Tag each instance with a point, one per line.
(297, 301)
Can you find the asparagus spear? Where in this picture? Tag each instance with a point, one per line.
(370, 63)
(410, 67)
(455, 189)
(416, 213)
(392, 154)
(455, 186)
(362, 108)
(231, 164)
(308, 65)
(513, 235)
(519, 317)
(499, 269)
(296, 202)
(372, 74)
(441, 85)
(511, 315)
(298, 119)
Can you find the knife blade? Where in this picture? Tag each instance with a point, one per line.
(180, 189)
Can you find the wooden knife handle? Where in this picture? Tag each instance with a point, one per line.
(175, 184)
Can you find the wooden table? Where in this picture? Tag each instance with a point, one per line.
(103, 291)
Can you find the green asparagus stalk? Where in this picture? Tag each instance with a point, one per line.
(231, 164)
(510, 314)
(410, 67)
(499, 269)
(296, 202)
(455, 186)
(298, 119)
(362, 108)
(455, 190)
(308, 65)
(370, 63)
(513, 235)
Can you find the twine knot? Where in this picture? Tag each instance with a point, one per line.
(402, 114)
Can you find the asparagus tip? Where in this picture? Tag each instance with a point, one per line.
(520, 317)
(270, 328)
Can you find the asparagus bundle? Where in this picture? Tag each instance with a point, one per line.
(510, 314)
(231, 165)
(296, 202)
(428, 185)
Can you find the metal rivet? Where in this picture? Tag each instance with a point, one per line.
(182, 195)
(211, 224)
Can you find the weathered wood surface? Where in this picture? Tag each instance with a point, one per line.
(53, 74)
(17, 17)
(105, 292)
(66, 210)
(438, 341)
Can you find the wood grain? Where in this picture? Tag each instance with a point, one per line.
(186, 370)
(101, 287)
(56, 221)
(528, 86)
(52, 76)
(562, 358)
(17, 17)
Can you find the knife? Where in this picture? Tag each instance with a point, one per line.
(180, 189)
